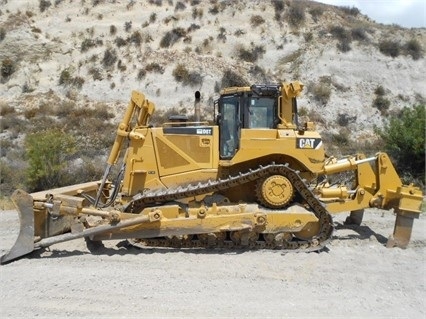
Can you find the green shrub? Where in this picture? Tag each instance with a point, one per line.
(87, 44)
(344, 119)
(47, 153)
(26, 88)
(322, 93)
(78, 82)
(2, 34)
(141, 74)
(338, 32)
(6, 109)
(195, 78)
(46, 108)
(12, 176)
(231, 78)
(120, 42)
(171, 37)
(404, 138)
(340, 143)
(112, 29)
(382, 104)
(95, 73)
(379, 91)
(180, 6)
(308, 36)
(197, 13)
(65, 78)
(30, 113)
(12, 123)
(35, 30)
(158, 3)
(359, 34)
(341, 139)
(259, 73)
(278, 8)
(302, 111)
(390, 48)
(8, 67)
(316, 12)
(214, 9)
(121, 66)
(182, 74)
(256, 20)
(296, 14)
(343, 36)
(344, 46)
(222, 34)
(350, 11)
(44, 5)
(322, 90)
(100, 111)
(110, 57)
(154, 67)
(135, 38)
(250, 55)
(193, 27)
(88, 170)
(316, 117)
(413, 48)
(127, 26)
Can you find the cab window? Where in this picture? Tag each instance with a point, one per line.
(261, 112)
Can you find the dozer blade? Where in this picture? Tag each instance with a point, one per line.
(25, 242)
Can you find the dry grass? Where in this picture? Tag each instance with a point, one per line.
(6, 204)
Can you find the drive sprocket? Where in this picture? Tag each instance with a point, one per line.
(275, 191)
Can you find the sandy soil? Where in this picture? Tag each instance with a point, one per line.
(357, 277)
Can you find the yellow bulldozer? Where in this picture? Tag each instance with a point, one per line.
(253, 177)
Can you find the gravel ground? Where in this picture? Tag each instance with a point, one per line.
(356, 277)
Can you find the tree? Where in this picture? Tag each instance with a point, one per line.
(47, 153)
(404, 138)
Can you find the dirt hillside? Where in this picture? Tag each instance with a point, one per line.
(101, 50)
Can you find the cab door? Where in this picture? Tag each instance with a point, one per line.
(229, 126)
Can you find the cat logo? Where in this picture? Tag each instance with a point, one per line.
(311, 143)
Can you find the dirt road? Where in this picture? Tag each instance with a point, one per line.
(357, 277)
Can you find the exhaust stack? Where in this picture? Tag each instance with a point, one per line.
(197, 106)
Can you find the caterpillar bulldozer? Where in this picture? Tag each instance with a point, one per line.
(254, 177)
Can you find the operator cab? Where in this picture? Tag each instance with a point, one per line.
(254, 107)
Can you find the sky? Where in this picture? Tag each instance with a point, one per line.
(406, 13)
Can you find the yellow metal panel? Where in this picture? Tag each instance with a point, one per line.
(182, 152)
(266, 142)
(141, 166)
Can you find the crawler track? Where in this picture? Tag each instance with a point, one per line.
(232, 240)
